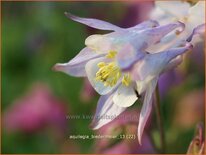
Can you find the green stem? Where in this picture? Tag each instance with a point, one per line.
(159, 120)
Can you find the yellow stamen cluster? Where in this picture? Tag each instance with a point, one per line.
(126, 79)
(111, 54)
(108, 73)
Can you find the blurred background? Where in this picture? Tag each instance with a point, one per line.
(39, 106)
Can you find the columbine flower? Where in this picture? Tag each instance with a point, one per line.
(119, 67)
(191, 13)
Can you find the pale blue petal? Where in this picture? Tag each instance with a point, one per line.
(146, 108)
(84, 55)
(100, 43)
(127, 56)
(199, 30)
(153, 64)
(174, 52)
(173, 63)
(154, 35)
(77, 70)
(94, 23)
(150, 36)
(125, 96)
(144, 25)
(178, 9)
(106, 111)
(76, 66)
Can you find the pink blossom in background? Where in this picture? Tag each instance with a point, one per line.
(37, 109)
(126, 124)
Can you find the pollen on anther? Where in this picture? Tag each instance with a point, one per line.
(108, 73)
(111, 54)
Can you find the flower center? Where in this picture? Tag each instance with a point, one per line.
(110, 73)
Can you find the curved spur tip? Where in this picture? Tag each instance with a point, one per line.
(189, 38)
(181, 23)
(154, 23)
(182, 27)
(189, 45)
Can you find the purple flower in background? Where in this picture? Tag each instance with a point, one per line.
(119, 67)
(34, 111)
